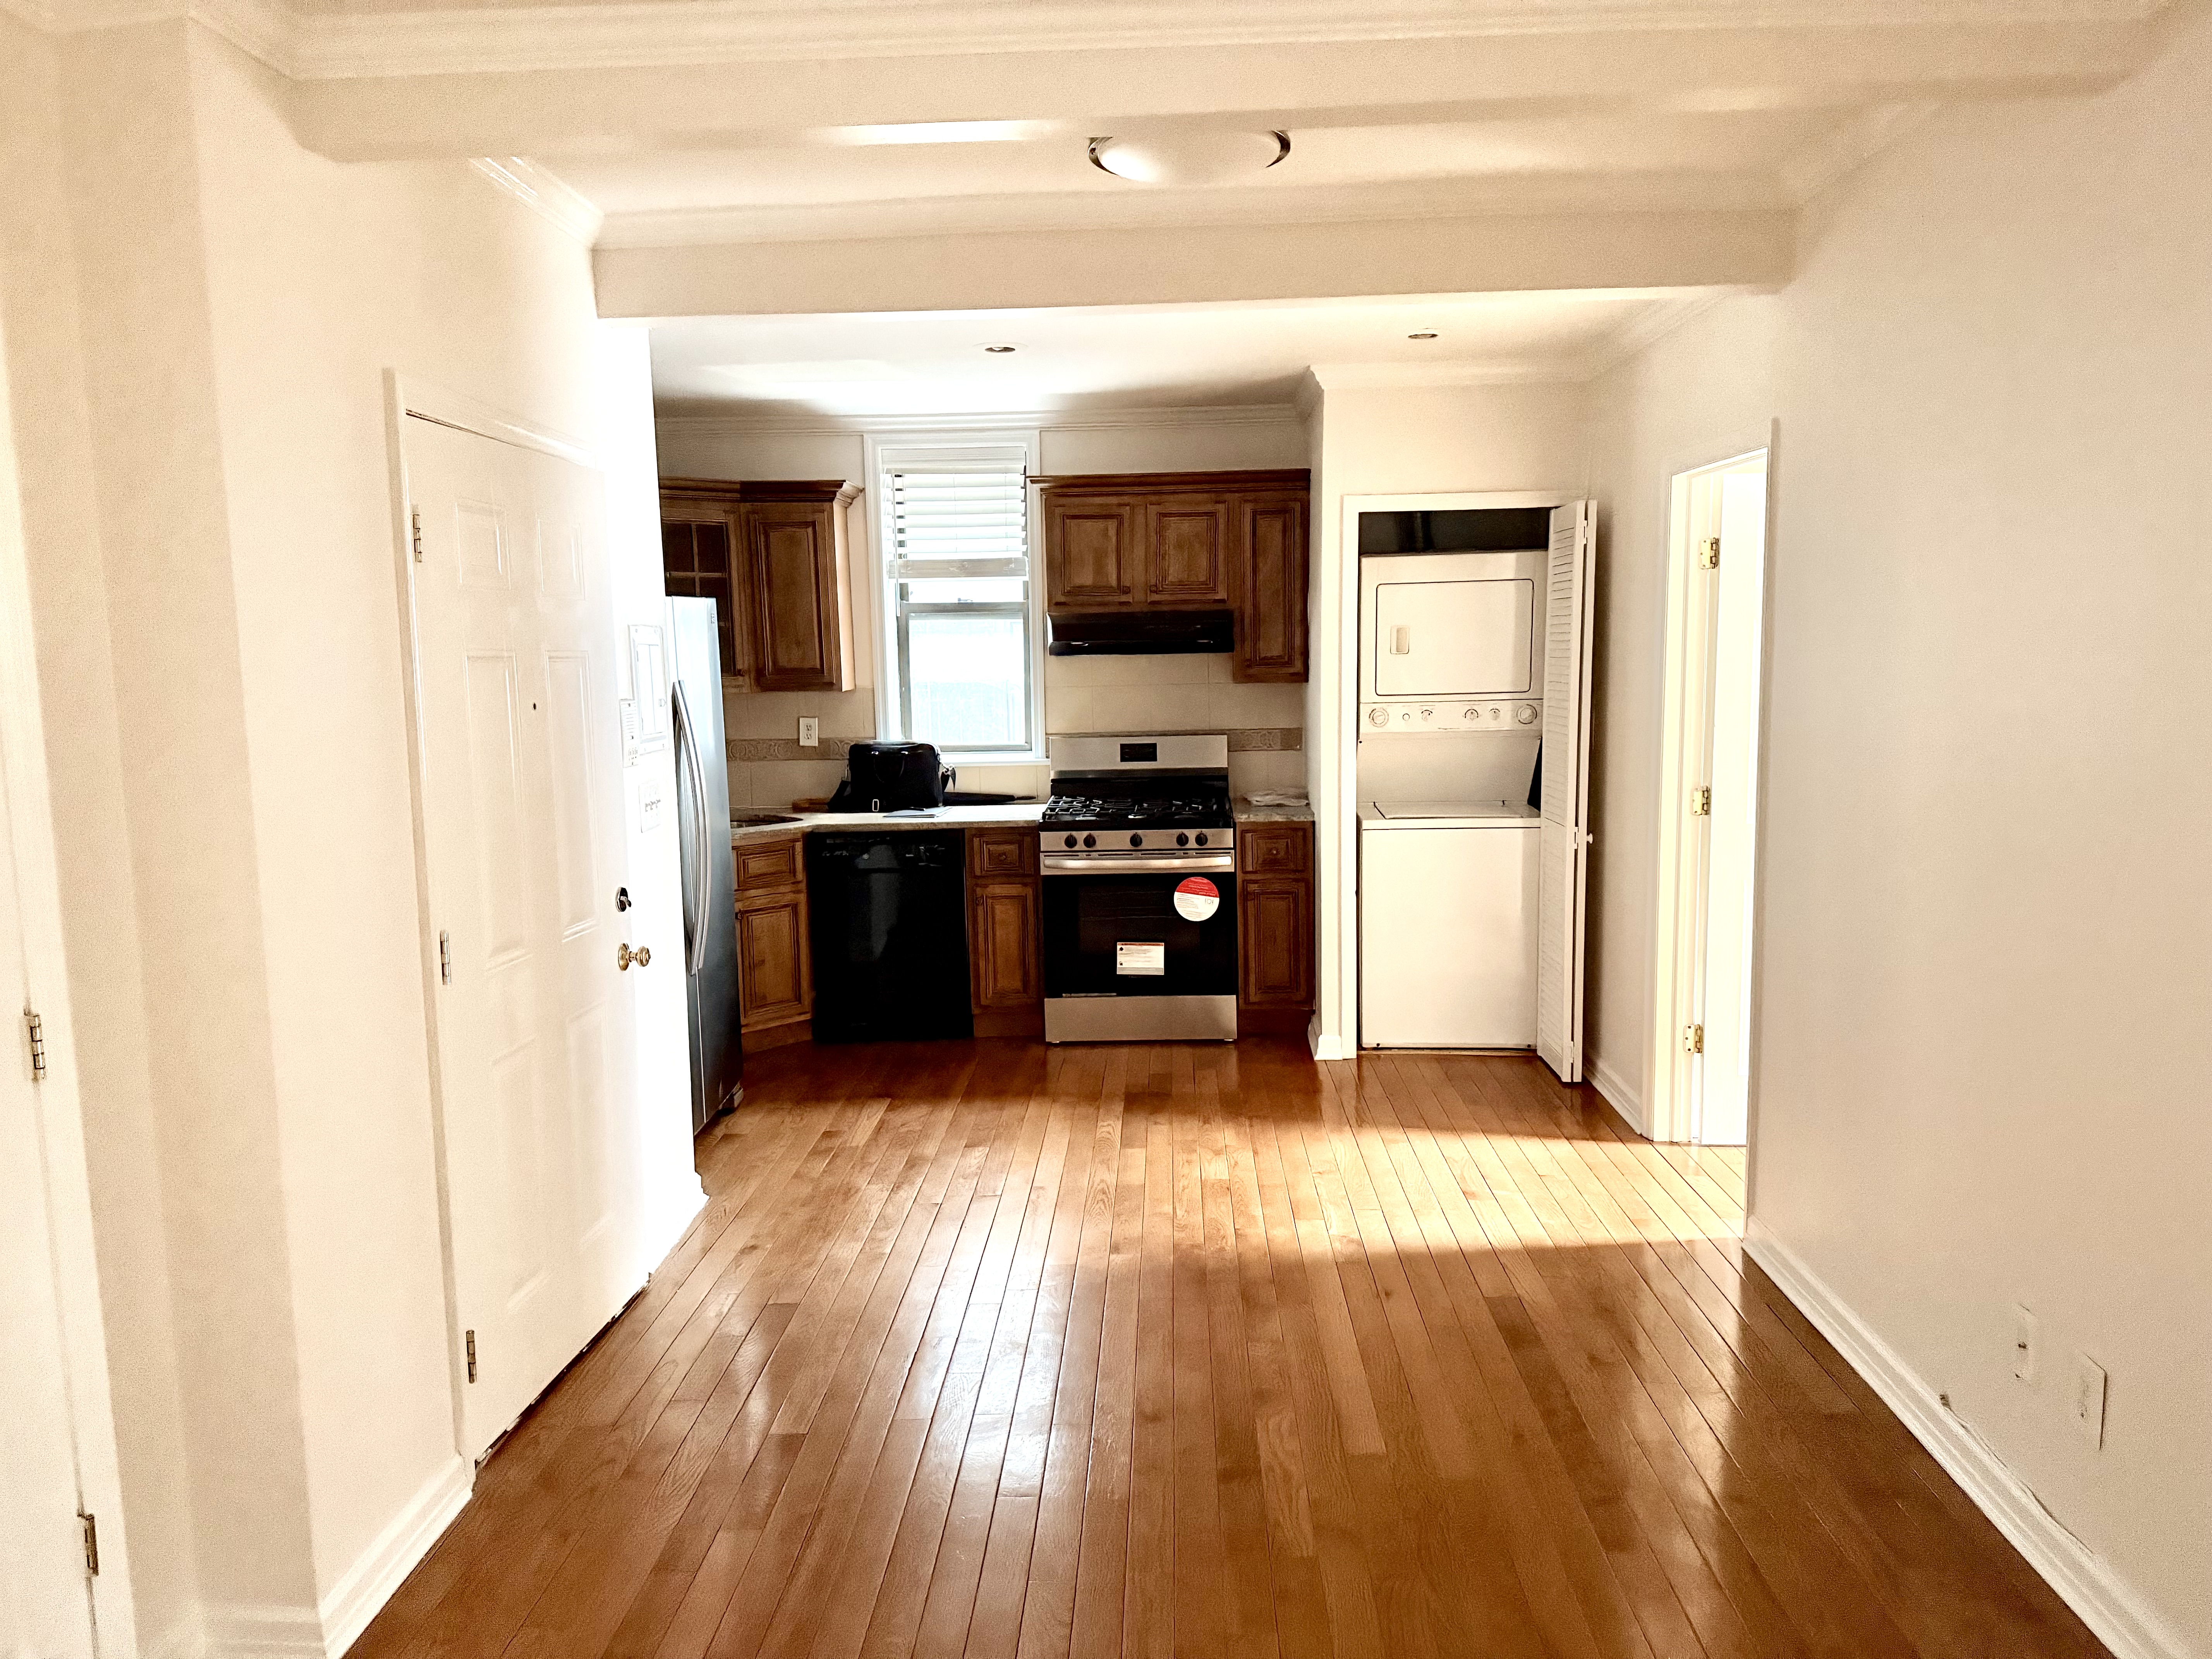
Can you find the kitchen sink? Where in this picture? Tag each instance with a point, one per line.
(753, 820)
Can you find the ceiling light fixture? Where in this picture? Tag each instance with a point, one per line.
(1422, 334)
(1001, 350)
(1201, 157)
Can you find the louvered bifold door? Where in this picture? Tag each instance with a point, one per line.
(1563, 838)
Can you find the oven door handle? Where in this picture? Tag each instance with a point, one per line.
(1138, 864)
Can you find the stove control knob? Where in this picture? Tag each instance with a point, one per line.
(1067, 841)
(1201, 838)
(1136, 841)
(1091, 841)
(1182, 840)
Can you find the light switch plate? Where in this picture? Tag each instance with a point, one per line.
(2089, 1399)
(809, 731)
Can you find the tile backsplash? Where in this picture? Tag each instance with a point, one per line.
(1081, 694)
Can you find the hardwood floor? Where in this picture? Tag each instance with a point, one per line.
(992, 1350)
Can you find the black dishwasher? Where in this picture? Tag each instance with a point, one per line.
(890, 932)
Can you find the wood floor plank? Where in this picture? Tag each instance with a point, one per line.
(989, 1351)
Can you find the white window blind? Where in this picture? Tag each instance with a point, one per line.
(957, 576)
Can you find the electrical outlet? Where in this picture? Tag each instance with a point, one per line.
(2026, 1345)
(2089, 1399)
(810, 732)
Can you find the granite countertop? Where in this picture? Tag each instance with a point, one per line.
(1248, 813)
(1016, 814)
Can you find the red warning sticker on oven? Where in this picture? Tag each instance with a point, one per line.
(1196, 898)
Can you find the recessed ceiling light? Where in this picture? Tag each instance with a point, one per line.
(1422, 334)
(1204, 156)
(1001, 350)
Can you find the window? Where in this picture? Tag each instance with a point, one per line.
(961, 648)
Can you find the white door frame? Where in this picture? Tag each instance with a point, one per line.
(1345, 809)
(1677, 891)
(37, 875)
(405, 396)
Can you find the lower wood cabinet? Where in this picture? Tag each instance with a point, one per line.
(1005, 944)
(775, 980)
(1274, 927)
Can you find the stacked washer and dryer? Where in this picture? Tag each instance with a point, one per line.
(1472, 775)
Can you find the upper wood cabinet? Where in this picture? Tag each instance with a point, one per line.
(783, 587)
(1129, 541)
(1091, 555)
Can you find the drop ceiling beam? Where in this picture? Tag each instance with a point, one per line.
(1497, 253)
(482, 82)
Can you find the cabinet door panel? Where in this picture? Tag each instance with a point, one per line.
(1004, 943)
(772, 968)
(1187, 552)
(1275, 941)
(1090, 551)
(698, 561)
(1271, 849)
(1271, 590)
(792, 558)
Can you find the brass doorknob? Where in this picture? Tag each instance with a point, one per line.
(624, 956)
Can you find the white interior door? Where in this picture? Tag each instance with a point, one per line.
(1562, 838)
(533, 1028)
(46, 1604)
(1721, 1073)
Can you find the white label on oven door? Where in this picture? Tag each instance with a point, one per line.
(1196, 898)
(1140, 958)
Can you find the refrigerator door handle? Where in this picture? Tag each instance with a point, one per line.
(695, 909)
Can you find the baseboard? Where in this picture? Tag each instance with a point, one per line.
(187, 1639)
(2120, 1618)
(1628, 1102)
(236, 1631)
(369, 1582)
(1324, 1044)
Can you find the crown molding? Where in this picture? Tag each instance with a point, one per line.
(1640, 333)
(1254, 204)
(1510, 371)
(710, 424)
(1835, 156)
(462, 39)
(543, 193)
(639, 34)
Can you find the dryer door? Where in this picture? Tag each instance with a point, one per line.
(1453, 639)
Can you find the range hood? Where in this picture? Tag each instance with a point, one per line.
(1141, 633)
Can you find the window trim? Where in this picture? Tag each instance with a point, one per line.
(882, 455)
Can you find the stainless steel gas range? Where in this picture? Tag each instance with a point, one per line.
(1138, 851)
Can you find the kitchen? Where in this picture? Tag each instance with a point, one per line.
(1155, 679)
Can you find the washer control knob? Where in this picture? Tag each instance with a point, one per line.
(1091, 841)
(1526, 713)
(1496, 712)
(1428, 713)
(1378, 717)
(1472, 714)
(1136, 841)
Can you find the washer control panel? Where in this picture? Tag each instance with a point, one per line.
(1521, 715)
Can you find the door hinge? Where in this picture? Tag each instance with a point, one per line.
(1693, 1039)
(1701, 804)
(469, 1342)
(416, 526)
(90, 1526)
(37, 1028)
(445, 958)
(1708, 553)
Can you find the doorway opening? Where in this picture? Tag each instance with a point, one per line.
(1701, 1066)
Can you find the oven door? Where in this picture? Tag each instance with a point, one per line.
(1139, 948)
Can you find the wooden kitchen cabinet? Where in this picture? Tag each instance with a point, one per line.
(1274, 927)
(1005, 944)
(783, 589)
(1188, 541)
(1091, 551)
(775, 980)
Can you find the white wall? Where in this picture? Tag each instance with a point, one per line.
(1983, 1041)
(1377, 441)
(203, 313)
(1123, 694)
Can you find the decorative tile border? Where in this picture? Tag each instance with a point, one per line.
(1247, 740)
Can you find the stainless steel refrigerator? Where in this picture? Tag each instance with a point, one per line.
(703, 834)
